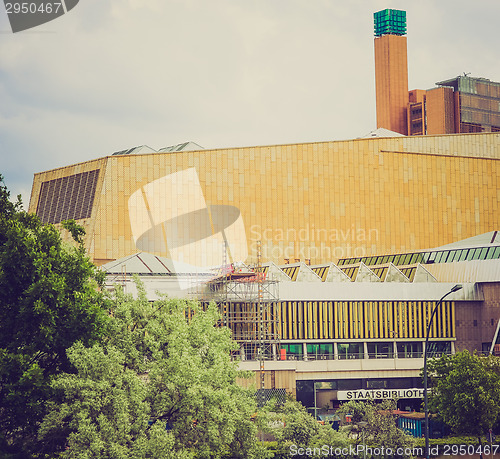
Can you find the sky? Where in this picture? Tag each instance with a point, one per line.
(111, 75)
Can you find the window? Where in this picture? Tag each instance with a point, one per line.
(70, 197)
(350, 350)
(475, 254)
(438, 348)
(376, 384)
(409, 350)
(293, 351)
(403, 383)
(349, 384)
(463, 255)
(414, 258)
(380, 351)
(490, 253)
(485, 348)
(320, 351)
(407, 258)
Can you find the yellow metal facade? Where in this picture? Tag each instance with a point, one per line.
(314, 201)
(352, 320)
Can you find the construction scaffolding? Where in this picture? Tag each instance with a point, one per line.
(247, 298)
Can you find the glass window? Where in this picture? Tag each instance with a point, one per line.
(414, 258)
(305, 386)
(396, 259)
(349, 384)
(484, 250)
(438, 348)
(475, 254)
(425, 257)
(441, 258)
(350, 350)
(376, 384)
(319, 351)
(293, 351)
(490, 253)
(463, 255)
(497, 252)
(401, 383)
(405, 259)
(380, 350)
(409, 350)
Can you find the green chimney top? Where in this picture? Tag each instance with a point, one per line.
(390, 22)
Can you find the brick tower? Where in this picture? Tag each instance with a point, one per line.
(391, 70)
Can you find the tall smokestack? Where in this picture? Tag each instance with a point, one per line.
(391, 70)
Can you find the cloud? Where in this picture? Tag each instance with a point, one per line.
(111, 75)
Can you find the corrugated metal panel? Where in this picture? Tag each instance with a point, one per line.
(466, 271)
(376, 291)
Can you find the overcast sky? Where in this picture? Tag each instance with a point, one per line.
(110, 75)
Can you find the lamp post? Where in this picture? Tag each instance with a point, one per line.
(315, 404)
(363, 424)
(426, 408)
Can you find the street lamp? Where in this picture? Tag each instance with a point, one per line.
(426, 408)
(363, 424)
(315, 404)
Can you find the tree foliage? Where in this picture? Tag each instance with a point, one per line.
(466, 391)
(294, 428)
(161, 380)
(381, 429)
(48, 301)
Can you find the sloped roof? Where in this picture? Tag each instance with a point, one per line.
(482, 240)
(144, 263)
(140, 263)
(186, 146)
(135, 150)
(382, 132)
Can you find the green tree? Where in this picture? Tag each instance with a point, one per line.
(381, 429)
(466, 391)
(48, 300)
(163, 365)
(297, 432)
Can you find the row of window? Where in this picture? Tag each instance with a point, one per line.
(442, 256)
(346, 351)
